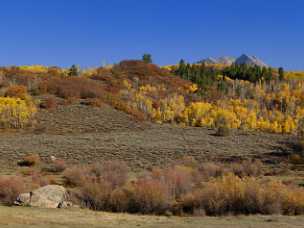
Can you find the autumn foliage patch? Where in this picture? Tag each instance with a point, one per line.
(212, 189)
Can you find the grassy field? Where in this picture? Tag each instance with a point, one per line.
(30, 217)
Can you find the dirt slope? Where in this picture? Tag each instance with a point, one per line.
(80, 133)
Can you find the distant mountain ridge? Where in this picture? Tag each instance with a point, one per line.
(243, 59)
(250, 60)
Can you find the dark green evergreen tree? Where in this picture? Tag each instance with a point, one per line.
(74, 70)
(147, 58)
(281, 74)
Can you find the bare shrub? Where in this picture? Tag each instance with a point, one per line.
(95, 195)
(118, 104)
(247, 168)
(231, 194)
(296, 159)
(223, 190)
(73, 88)
(113, 172)
(178, 180)
(187, 161)
(120, 200)
(56, 166)
(209, 170)
(10, 188)
(16, 91)
(38, 180)
(76, 176)
(30, 160)
(223, 131)
(49, 103)
(94, 102)
(150, 197)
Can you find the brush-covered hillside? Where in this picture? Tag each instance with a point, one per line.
(189, 139)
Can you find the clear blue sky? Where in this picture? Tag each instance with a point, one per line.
(89, 32)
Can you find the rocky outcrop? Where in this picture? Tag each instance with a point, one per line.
(250, 61)
(242, 60)
(226, 60)
(209, 61)
(50, 196)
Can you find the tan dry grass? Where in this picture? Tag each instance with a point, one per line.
(15, 217)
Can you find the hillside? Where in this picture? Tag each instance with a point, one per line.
(82, 134)
(139, 139)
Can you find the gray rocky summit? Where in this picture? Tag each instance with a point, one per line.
(250, 60)
(242, 60)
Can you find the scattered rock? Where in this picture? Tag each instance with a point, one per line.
(65, 204)
(53, 158)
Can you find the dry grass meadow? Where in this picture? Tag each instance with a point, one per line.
(12, 217)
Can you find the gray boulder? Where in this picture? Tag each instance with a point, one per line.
(50, 196)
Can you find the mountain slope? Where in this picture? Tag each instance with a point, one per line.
(250, 61)
(243, 59)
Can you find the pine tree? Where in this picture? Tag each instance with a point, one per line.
(181, 68)
(147, 58)
(281, 74)
(74, 70)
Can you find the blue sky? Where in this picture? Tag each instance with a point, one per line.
(92, 32)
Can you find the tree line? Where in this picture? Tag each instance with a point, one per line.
(204, 75)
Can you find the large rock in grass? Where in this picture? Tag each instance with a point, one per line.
(50, 196)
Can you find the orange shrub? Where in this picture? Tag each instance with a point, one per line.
(118, 104)
(56, 166)
(178, 180)
(176, 190)
(76, 176)
(73, 88)
(10, 188)
(210, 170)
(113, 172)
(18, 91)
(234, 195)
(150, 197)
(30, 160)
(48, 103)
(247, 168)
(38, 180)
(120, 200)
(94, 195)
(94, 102)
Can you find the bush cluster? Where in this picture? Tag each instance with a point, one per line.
(15, 112)
(184, 188)
(10, 188)
(72, 87)
(231, 194)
